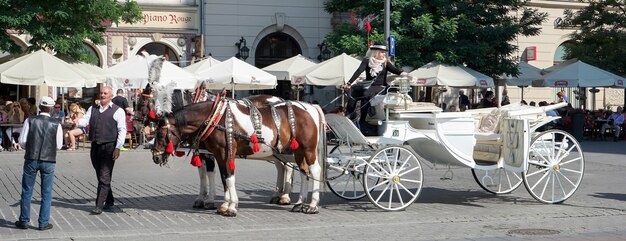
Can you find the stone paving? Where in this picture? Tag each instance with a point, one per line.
(154, 203)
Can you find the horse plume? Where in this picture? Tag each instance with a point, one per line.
(162, 93)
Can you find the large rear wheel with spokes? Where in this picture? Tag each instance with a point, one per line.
(555, 166)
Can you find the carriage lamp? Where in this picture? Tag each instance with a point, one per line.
(243, 52)
(324, 52)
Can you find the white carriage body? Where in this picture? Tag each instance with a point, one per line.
(495, 142)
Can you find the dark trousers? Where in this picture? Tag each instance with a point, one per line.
(102, 161)
(360, 93)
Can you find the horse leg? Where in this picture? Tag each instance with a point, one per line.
(299, 205)
(231, 201)
(315, 171)
(283, 184)
(204, 189)
(206, 198)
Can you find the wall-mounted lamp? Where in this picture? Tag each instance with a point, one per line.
(243, 52)
(131, 42)
(324, 52)
(117, 53)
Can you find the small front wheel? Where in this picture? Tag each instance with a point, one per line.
(398, 176)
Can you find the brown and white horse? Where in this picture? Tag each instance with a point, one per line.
(227, 137)
(206, 171)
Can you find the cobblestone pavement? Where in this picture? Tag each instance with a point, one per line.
(154, 203)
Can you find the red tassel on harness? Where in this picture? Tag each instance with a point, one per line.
(169, 148)
(294, 144)
(231, 164)
(195, 161)
(151, 114)
(255, 143)
(179, 153)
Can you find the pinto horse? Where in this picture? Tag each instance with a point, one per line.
(222, 127)
(206, 171)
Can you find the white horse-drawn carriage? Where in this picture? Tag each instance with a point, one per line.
(502, 146)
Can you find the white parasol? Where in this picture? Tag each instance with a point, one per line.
(237, 75)
(41, 67)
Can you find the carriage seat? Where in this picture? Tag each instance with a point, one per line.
(398, 103)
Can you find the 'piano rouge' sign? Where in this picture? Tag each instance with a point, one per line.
(158, 19)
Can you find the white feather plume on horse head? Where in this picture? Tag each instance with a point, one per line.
(162, 93)
(154, 72)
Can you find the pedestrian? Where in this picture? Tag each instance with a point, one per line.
(505, 98)
(376, 66)
(41, 145)
(487, 100)
(464, 101)
(105, 144)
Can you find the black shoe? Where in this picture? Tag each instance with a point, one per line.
(96, 211)
(20, 225)
(108, 206)
(48, 227)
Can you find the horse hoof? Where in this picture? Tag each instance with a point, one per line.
(274, 200)
(229, 213)
(311, 210)
(197, 204)
(284, 201)
(296, 208)
(209, 206)
(222, 211)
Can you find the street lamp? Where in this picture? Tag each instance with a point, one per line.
(324, 52)
(243, 52)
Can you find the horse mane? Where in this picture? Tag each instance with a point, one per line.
(177, 100)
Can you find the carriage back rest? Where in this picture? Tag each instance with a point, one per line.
(345, 129)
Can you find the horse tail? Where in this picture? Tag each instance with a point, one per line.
(321, 145)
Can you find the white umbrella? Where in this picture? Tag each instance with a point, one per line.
(133, 74)
(333, 72)
(97, 74)
(283, 70)
(435, 74)
(41, 67)
(578, 74)
(204, 64)
(237, 75)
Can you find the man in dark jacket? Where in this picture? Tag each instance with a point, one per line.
(41, 137)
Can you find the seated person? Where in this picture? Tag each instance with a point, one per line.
(15, 115)
(70, 136)
(452, 108)
(57, 113)
(615, 121)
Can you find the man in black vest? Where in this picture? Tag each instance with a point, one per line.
(107, 129)
(41, 137)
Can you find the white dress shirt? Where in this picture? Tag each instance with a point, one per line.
(119, 116)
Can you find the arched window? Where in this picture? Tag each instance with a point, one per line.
(275, 47)
(559, 53)
(163, 50)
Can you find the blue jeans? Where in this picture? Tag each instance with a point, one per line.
(28, 182)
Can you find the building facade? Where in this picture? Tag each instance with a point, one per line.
(186, 30)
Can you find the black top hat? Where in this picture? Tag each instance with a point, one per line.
(378, 47)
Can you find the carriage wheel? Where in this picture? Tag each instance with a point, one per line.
(348, 175)
(400, 178)
(555, 166)
(498, 181)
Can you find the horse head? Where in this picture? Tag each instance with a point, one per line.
(166, 139)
